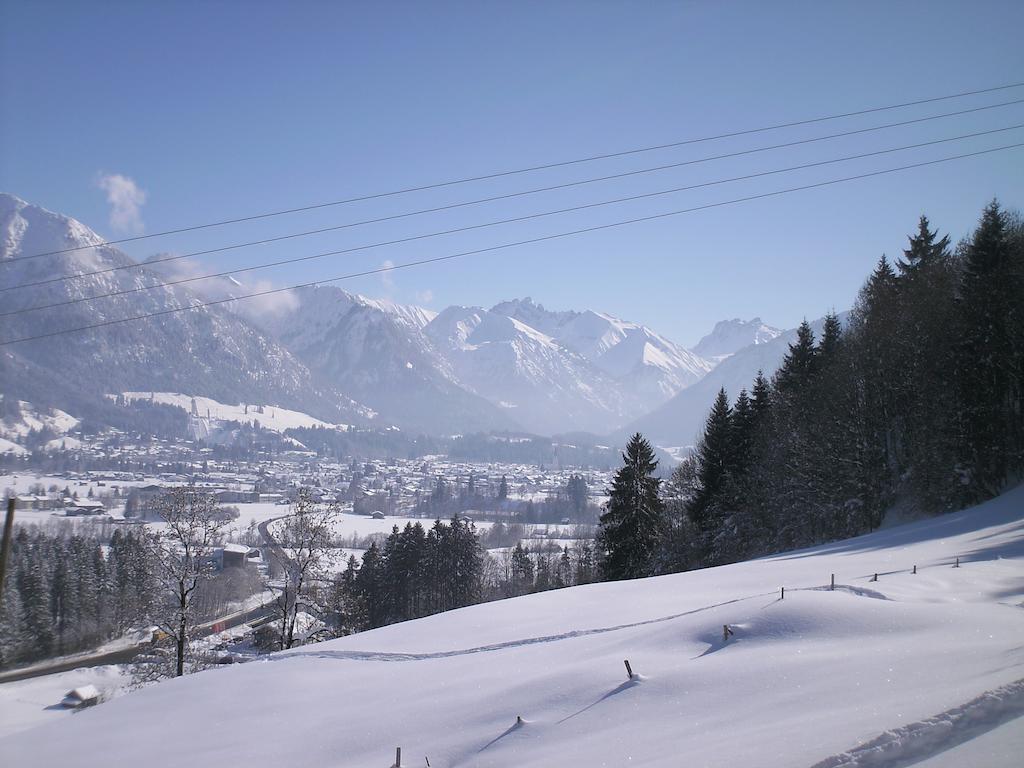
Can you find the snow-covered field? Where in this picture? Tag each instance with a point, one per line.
(270, 417)
(926, 666)
(30, 703)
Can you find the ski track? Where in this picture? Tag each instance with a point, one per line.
(919, 741)
(396, 656)
(399, 656)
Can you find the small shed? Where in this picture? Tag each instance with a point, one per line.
(85, 696)
(234, 555)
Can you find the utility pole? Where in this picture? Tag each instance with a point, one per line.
(5, 547)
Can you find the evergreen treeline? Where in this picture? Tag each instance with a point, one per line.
(415, 573)
(916, 401)
(419, 572)
(67, 593)
(529, 570)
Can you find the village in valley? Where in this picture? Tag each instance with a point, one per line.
(105, 485)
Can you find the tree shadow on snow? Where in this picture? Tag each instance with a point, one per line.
(614, 692)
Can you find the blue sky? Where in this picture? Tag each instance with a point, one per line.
(225, 109)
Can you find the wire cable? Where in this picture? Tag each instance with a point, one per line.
(477, 251)
(453, 206)
(546, 166)
(471, 227)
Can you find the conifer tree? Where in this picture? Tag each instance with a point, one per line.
(798, 366)
(924, 249)
(633, 522)
(989, 324)
(714, 456)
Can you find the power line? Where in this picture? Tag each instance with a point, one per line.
(545, 238)
(546, 166)
(453, 206)
(517, 219)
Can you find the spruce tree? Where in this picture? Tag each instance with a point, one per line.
(799, 364)
(714, 457)
(924, 249)
(633, 522)
(989, 320)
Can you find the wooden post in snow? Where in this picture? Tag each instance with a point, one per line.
(519, 719)
(957, 562)
(915, 570)
(398, 757)
(782, 595)
(832, 585)
(629, 669)
(875, 577)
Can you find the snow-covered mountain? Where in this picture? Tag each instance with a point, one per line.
(517, 365)
(680, 420)
(545, 387)
(378, 351)
(202, 351)
(562, 371)
(641, 360)
(921, 667)
(730, 336)
(338, 356)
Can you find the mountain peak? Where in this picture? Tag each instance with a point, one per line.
(730, 336)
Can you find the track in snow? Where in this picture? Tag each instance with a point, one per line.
(387, 656)
(919, 741)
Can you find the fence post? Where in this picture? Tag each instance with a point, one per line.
(519, 719)
(398, 757)
(915, 570)
(782, 596)
(832, 586)
(629, 669)
(957, 562)
(875, 577)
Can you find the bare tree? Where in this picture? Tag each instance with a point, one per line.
(183, 554)
(302, 544)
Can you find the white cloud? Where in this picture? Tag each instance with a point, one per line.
(217, 288)
(126, 200)
(385, 277)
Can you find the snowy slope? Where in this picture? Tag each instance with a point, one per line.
(29, 418)
(273, 417)
(875, 673)
(206, 350)
(378, 351)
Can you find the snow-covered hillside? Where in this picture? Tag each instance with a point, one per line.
(270, 417)
(185, 347)
(378, 351)
(875, 673)
(23, 417)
